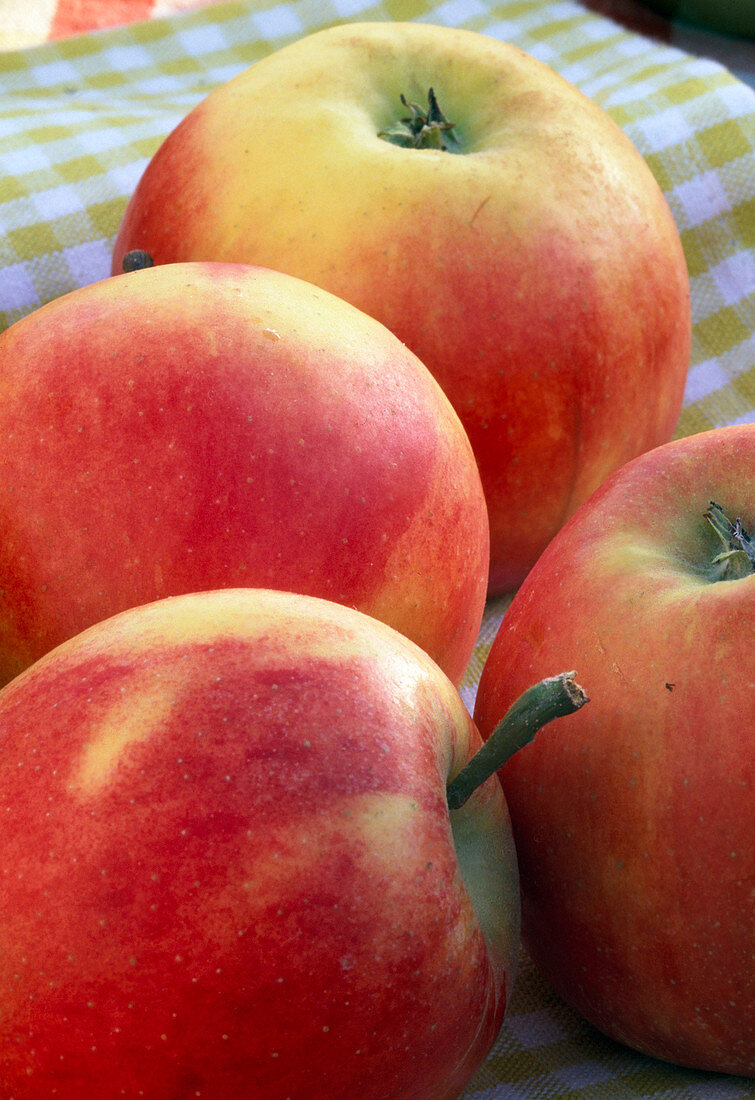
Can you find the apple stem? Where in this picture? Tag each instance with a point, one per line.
(737, 560)
(136, 260)
(422, 128)
(551, 698)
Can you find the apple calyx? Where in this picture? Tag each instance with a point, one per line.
(553, 697)
(422, 128)
(137, 259)
(737, 560)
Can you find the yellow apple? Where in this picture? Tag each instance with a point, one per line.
(526, 254)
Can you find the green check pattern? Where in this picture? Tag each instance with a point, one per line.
(79, 120)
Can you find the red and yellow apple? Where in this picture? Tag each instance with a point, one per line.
(633, 819)
(533, 264)
(229, 866)
(200, 426)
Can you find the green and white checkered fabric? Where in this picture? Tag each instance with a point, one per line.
(78, 121)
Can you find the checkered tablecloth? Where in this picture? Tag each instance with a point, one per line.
(81, 115)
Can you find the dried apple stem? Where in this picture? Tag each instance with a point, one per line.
(136, 260)
(423, 128)
(551, 698)
(737, 559)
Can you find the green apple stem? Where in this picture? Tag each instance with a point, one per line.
(423, 128)
(737, 559)
(551, 698)
(137, 259)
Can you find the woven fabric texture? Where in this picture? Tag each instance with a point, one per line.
(79, 119)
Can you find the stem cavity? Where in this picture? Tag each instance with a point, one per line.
(737, 559)
(422, 128)
(551, 698)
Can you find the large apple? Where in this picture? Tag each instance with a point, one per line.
(633, 819)
(229, 866)
(533, 264)
(195, 426)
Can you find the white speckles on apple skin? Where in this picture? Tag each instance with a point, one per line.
(202, 907)
(669, 771)
(174, 510)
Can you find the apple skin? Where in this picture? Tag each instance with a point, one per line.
(539, 274)
(633, 818)
(200, 426)
(229, 868)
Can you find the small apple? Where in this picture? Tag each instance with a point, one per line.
(507, 231)
(229, 865)
(633, 819)
(200, 426)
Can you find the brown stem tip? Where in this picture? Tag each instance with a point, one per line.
(551, 698)
(136, 260)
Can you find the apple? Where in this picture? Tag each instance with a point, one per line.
(229, 865)
(735, 17)
(508, 232)
(633, 819)
(199, 426)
